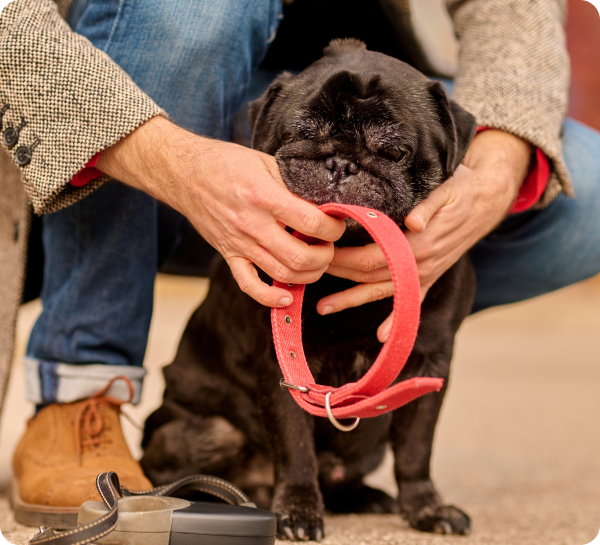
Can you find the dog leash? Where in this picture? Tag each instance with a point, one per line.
(371, 395)
(109, 489)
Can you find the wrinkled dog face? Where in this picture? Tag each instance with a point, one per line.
(359, 127)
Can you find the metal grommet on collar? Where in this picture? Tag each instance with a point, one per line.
(333, 419)
(293, 355)
(371, 214)
(288, 319)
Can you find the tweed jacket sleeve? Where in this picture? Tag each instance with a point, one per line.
(67, 99)
(513, 73)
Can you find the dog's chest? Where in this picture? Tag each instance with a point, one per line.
(340, 347)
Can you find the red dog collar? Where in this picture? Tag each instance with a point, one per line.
(370, 396)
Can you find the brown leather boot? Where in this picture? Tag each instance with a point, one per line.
(60, 455)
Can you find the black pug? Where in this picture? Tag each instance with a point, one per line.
(355, 127)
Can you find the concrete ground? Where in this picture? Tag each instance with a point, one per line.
(518, 442)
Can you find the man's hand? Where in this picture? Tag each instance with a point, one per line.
(235, 198)
(443, 227)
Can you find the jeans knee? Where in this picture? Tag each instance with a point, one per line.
(581, 146)
(224, 36)
(242, 31)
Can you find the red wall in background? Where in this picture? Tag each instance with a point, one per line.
(583, 42)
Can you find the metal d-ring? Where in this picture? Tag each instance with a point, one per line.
(333, 420)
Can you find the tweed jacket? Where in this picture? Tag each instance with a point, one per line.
(68, 101)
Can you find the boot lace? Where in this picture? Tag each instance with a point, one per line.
(89, 419)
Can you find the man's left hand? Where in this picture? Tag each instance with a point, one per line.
(456, 215)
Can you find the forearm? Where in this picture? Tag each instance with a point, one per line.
(148, 159)
(505, 159)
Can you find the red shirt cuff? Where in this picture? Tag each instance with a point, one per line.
(88, 173)
(535, 183)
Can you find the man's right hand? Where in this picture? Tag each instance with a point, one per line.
(235, 198)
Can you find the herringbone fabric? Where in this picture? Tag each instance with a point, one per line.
(74, 99)
(14, 230)
(513, 73)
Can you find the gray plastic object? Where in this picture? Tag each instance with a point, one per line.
(155, 520)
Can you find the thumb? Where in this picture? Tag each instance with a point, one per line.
(420, 215)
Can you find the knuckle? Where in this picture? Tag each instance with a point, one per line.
(262, 298)
(311, 223)
(363, 277)
(426, 269)
(299, 262)
(282, 274)
(368, 263)
(378, 293)
(241, 223)
(243, 284)
(424, 251)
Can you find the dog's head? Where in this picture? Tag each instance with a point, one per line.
(359, 127)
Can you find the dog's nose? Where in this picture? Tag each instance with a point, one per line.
(340, 167)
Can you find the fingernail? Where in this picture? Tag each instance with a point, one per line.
(385, 332)
(327, 310)
(326, 267)
(285, 302)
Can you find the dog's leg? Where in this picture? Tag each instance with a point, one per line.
(446, 305)
(357, 497)
(411, 436)
(181, 444)
(297, 501)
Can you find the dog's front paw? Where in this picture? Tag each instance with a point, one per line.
(299, 511)
(299, 527)
(440, 519)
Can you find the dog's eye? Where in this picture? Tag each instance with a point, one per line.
(392, 154)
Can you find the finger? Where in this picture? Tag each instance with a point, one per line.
(278, 271)
(245, 274)
(419, 217)
(378, 275)
(306, 218)
(294, 253)
(383, 331)
(364, 258)
(355, 297)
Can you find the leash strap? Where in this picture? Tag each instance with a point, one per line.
(109, 489)
(370, 396)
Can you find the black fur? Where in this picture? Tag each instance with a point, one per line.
(355, 127)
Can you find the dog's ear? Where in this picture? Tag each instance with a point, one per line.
(258, 110)
(459, 125)
(343, 45)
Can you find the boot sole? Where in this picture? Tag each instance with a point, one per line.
(30, 514)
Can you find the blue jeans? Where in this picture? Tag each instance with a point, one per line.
(196, 60)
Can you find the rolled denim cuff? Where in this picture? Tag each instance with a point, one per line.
(55, 382)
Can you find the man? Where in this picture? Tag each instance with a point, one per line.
(194, 61)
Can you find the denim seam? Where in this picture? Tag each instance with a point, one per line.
(114, 27)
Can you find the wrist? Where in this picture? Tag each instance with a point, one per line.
(144, 159)
(508, 156)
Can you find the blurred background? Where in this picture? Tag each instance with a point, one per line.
(518, 443)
